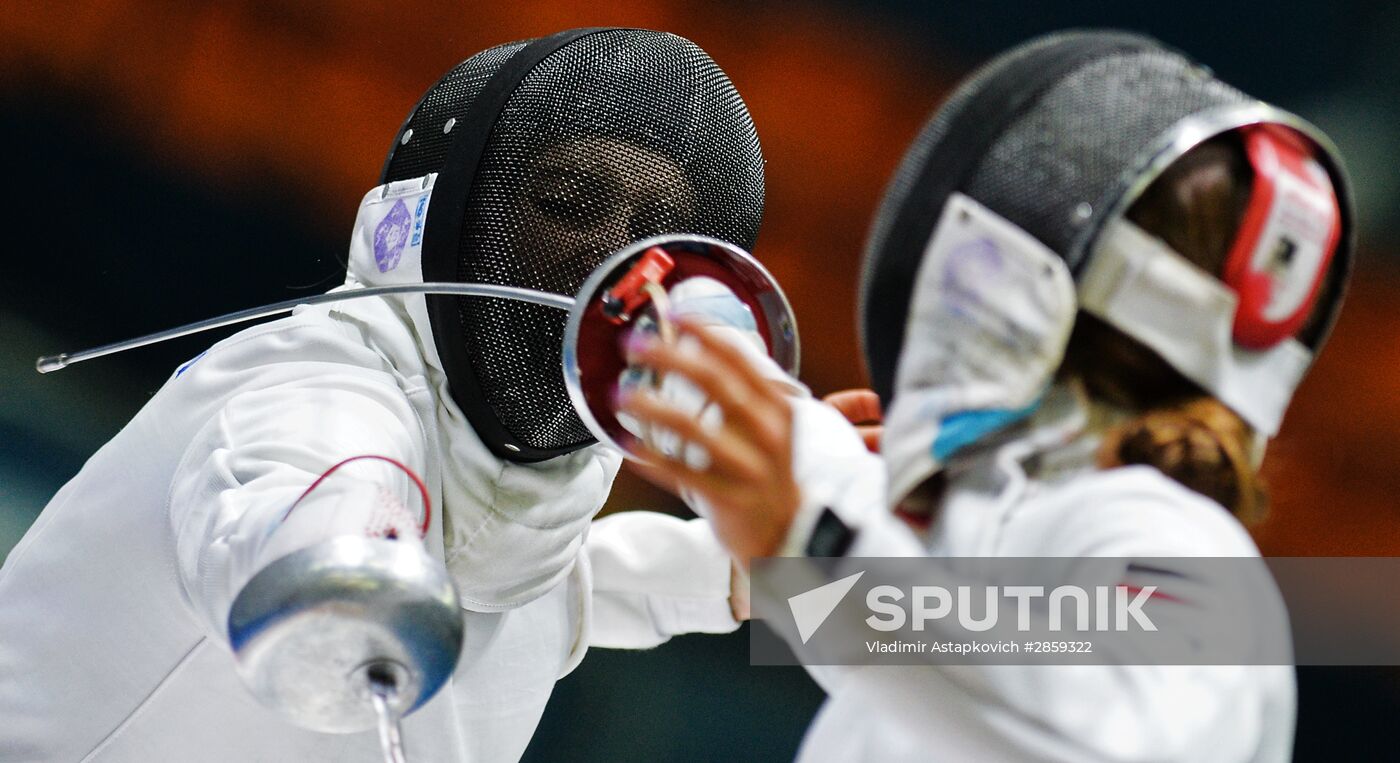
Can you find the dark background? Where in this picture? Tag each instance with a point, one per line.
(169, 160)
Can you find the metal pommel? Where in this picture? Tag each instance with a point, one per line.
(317, 632)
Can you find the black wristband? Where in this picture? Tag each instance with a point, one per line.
(830, 536)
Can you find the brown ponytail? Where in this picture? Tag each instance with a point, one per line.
(1199, 443)
(1196, 207)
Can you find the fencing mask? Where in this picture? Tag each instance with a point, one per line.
(1007, 216)
(552, 154)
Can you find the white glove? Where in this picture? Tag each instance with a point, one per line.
(711, 303)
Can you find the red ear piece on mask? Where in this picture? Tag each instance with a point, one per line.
(1286, 240)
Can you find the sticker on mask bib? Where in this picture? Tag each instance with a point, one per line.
(993, 306)
(390, 236)
(988, 323)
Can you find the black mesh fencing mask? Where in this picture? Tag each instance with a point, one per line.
(1058, 136)
(553, 154)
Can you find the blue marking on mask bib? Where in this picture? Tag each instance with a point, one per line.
(966, 427)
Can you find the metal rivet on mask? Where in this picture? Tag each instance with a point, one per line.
(1083, 212)
(451, 123)
(407, 135)
(511, 448)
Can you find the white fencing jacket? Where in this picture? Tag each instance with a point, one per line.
(113, 606)
(1060, 505)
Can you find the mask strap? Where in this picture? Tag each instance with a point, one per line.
(442, 240)
(1139, 285)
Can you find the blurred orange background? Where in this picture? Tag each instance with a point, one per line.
(308, 96)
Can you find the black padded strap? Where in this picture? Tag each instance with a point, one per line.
(442, 235)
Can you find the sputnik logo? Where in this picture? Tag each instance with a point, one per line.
(811, 609)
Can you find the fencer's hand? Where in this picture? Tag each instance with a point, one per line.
(748, 482)
(861, 407)
(738, 592)
(654, 475)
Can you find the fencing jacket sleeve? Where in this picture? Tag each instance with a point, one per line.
(256, 455)
(656, 576)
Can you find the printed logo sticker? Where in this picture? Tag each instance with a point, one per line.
(391, 236)
(418, 221)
